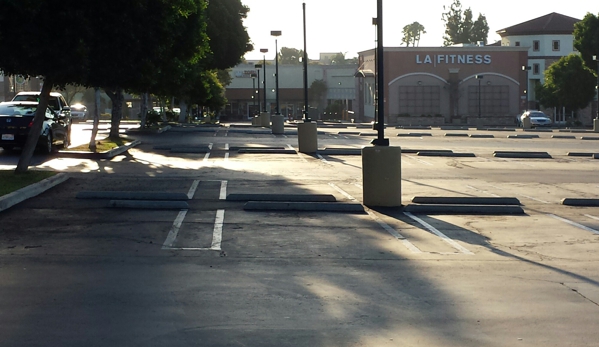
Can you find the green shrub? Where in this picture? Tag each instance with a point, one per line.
(153, 118)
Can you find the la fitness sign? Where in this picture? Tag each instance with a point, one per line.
(468, 59)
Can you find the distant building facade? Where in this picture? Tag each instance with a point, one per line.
(439, 85)
(246, 91)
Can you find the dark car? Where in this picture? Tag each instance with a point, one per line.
(16, 119)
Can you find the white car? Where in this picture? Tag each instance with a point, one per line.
(537, 119)
(78, 112)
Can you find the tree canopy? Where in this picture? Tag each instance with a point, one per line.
(568, 83)
(586, 39)
(412, 33)
(290, 56)
(460, 27)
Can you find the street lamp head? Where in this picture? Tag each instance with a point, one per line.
(479, 77)
(525, 68)
(263, 50)
(258, 66)
(374, 21)
(595, 57)
(275, 33)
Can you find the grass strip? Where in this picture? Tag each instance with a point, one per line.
(10, 182)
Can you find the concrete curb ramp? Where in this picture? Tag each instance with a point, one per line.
(580, 202)
(465, 209)
(283, 197)
(149, 205)
(304, 206)
(444, 154)
(116, 195)
(516, 154)
(9, 200)
(465, 200)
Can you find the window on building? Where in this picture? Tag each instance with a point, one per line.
(555, 45)
(517, 43)
(494, 100)
(420, 100)
(536, 69)
(536, 46)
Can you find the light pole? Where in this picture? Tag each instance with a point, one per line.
(376, 119)
(264, 51)
(526, 68)
(276, 33)
(479, 78)
(258, 66)
(254, 93)
(596, 58)
(306, 117)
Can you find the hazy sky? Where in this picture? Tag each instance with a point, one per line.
(346, 25)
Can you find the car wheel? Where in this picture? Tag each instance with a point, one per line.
(46, 147)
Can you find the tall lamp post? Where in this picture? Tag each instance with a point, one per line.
(596, 120)
(264, 51)
(257, 67)
(276, 33)
(376, 98)
(479, 78)
(526, 68)
(253, 93)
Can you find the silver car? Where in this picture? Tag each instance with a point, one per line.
(537, 119)
(78, 112)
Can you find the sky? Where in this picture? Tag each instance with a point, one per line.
(346, 25)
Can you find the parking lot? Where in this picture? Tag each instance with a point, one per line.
(105, 272)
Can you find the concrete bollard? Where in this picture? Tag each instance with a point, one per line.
(307, 136)
(265, 119)
(381, 176)
(526, 122)
(278, 124)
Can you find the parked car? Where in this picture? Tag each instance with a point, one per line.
(16, 120)
(56, 101)
(537, 119)
(78, 112)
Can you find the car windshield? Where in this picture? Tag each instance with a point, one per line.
(537, 114)
(17, 110)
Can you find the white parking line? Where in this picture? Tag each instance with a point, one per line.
(524, 196)
(193, 188)
(443, 237)
(482, 191)
(223, 190)
(208, 154)
(226, 146)
(419, 160)
(323, 159)
(227, 156)
(172, 235)
(217, 234)
(580, 226)
(380, 222)
(298, 153)
(593, 217)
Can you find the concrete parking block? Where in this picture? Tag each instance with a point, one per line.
(517, 154)
(283, 197)
(590, 138)
(523, 136)
(465, 209)
(482, 136)
(445, 154)
(563, 137)
(304, 206)
(465, 200)
(266, 151)
(149, 205)
(132, 195)
(415, 151)
(457, 134)
(414, 134)
(580, 202)
(580, 154)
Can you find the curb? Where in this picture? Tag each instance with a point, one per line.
(96, 156)
(9, 200)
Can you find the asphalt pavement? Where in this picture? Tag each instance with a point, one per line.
(155, 247)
